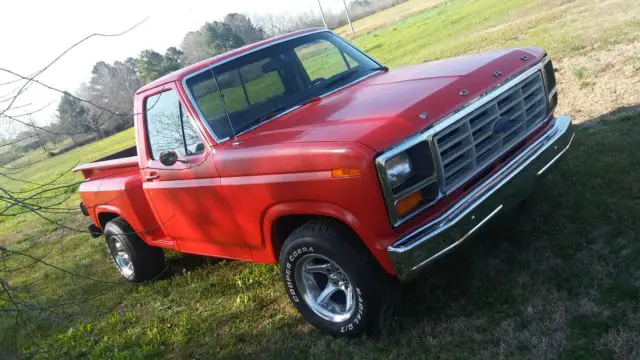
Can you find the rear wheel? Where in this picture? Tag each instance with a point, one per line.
(134, 259)
(334, 283)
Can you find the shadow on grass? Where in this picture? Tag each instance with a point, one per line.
(623, 111)
(180, 263)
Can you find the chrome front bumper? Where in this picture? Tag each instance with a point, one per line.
(501, 191)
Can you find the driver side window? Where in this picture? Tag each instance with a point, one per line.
(169, 127)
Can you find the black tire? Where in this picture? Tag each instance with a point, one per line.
(147, 261)
(319, 239)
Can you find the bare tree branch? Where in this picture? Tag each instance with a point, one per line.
(31, 112)
(16, 141)
(32, 78)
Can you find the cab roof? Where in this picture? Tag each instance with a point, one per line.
(178, 75)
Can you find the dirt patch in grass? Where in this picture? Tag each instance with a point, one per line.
(599, 82)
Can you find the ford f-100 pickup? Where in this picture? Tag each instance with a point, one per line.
(303, 151)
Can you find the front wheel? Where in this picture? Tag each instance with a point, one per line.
(334, 284)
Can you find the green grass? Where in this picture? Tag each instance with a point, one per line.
(458, 27)
(556, 278)
(56, 171)
(45, 168)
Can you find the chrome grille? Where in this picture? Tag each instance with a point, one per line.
(473, 142)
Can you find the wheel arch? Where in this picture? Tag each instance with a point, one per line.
(280, 220)
(105, 214)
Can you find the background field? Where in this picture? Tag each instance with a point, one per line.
(558, 278)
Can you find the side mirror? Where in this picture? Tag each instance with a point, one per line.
(168, 158)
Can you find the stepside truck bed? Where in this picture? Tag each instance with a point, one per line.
(112, 187)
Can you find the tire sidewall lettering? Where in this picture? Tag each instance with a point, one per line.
(288, 272)
(359, 315)
(349, 325)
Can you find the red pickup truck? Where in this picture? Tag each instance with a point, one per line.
(303, 151)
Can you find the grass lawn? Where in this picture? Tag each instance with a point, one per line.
(557, 278)
(44, 168)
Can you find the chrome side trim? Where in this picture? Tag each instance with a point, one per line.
(428, 134)
(295, 107)
(169, 184)
(276, 178)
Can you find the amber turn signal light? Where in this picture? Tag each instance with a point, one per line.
(340, 173)
(403, 206)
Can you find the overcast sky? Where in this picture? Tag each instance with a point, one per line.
(32, 33)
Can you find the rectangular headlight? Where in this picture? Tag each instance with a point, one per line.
(399, 169)
(408, 179)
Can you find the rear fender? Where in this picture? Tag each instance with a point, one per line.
(101, 209)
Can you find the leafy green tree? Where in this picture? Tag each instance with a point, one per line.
(243, 26)
(111, 87)
(150, 65)
(72, 116)
(172, 60)
(211, 39)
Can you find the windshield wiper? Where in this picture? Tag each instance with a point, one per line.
(379, 68)
(282, 109)
(271, 113)
(341, 77)
(309, 100)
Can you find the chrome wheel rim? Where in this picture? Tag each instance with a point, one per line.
(325, 287)
(121, 258)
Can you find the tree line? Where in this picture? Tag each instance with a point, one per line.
(112, 86)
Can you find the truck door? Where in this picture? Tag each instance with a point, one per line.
(186, 196)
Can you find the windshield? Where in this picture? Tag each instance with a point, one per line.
(240, 94)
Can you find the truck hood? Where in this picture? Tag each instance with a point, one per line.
(387, 107)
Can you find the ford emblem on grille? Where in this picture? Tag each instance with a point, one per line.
(502, 125)
(523, 108)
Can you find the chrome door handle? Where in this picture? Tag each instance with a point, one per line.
(152, 176)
